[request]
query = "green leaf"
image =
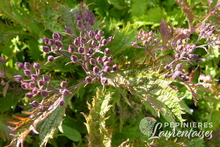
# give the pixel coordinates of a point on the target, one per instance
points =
(4, 130)
(34, 51)
(71, 133)
(152, 88)
(99, 134)
(156, 14)
(196, 143)
(49, 126)
(138, 7)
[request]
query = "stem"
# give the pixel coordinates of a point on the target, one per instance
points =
(76, 85)
(147, 48)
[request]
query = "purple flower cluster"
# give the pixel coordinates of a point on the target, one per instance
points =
(84, 49)
(88, 50)
(36, 83)
(147, 39)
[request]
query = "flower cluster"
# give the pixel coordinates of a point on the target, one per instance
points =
(36, 83)
(207, 31)
(148, 40)
(84, 49)
(88, 50)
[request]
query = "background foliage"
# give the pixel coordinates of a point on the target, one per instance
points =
(110, 116)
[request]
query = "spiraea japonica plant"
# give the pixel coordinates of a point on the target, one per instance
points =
(167, 67)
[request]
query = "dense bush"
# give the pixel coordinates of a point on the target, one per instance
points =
(99, 72)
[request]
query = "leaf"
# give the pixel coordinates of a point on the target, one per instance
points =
(5, 89)
(164, 31)
(71, 133)
(138, 7)
(153, 89)
(187, 10)
(98, 133)
(4, 130)
(28, 124)
(49, 126)
(156, 14)
(196, 143)
(34, 48)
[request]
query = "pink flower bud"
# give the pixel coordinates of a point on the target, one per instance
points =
(107, 69)
(91, 51)
(94, 43)
(45, 40)
(91, 34)
(88, 79)
(46, 78)
(36, 66)
(40, 83)
(105, 58)
(92, 61)
(107, 51)
(68, 30)
(99, 59)
(96, 69)
(98, 37)
(32, 85)
(29, 95)
(20, 65)
(44, 93)
(83, 40)
(27, 65)
(134, 44)
(63, 84)
(91, 22)
(18, 78)
(176, 74)
(106, 63)
(34, 77)
(34, 104)
(81, 50)
(104, 41)
(65, 92)
(78, 16)
(104, 80)
(192, 56)
(76, 42)
(79, 23)
(110, 39)
(58, 43)
(114, 67)
(46, 49)
(35, 91)
(178, 67)
(61, 103)
(70, 49)
(73, 58)
(51, 42)
(27, 73)
(57, 36)
(100, 32)
(50, 58)
(25, 85)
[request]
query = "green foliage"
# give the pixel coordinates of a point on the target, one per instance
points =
(109, 115)
(99, 135)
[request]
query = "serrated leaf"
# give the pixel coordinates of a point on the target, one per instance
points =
(138, 7)
(152, 88)
(34, 48)
(4, 130)
(196, 143)
(95, 121)
(156, 14)
(49, 126)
